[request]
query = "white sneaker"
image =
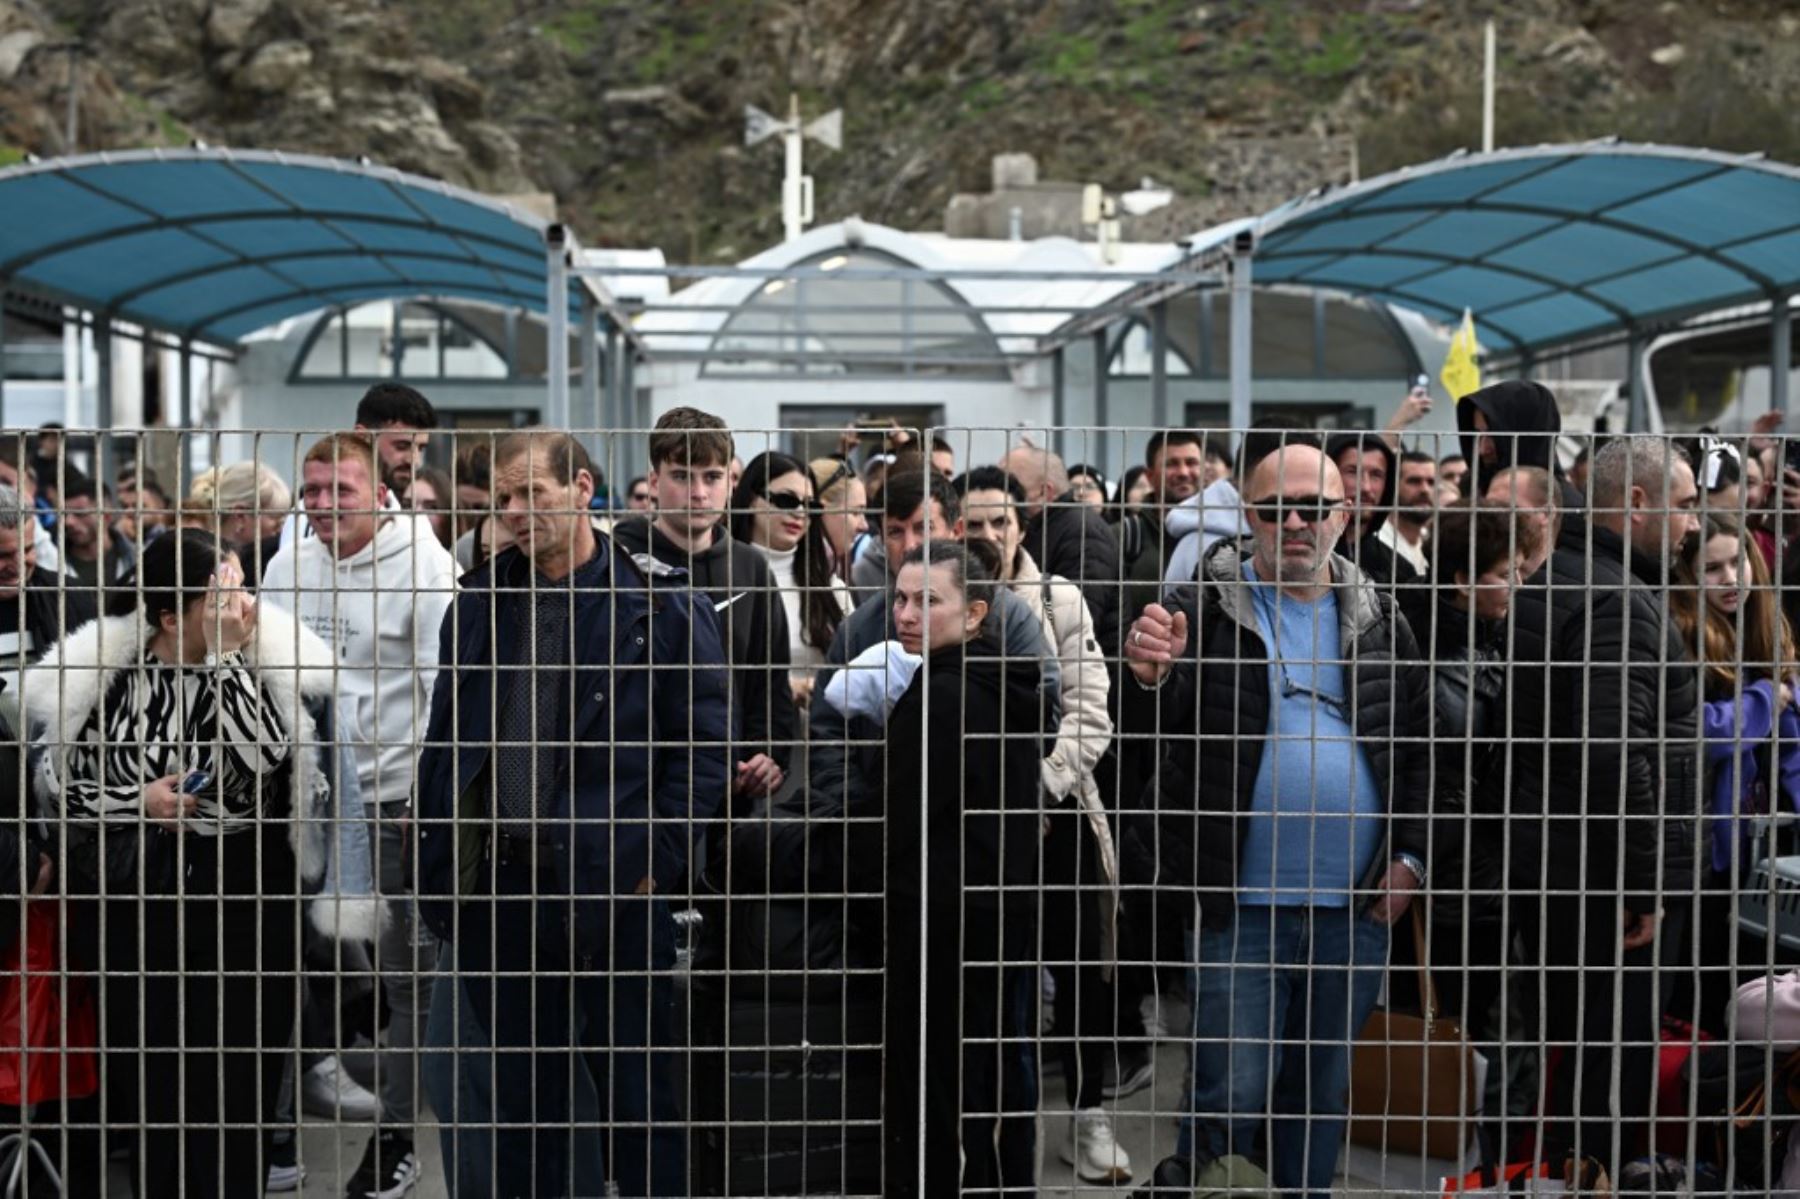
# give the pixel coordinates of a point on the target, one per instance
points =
(283, 1179)
(1090, 1148)
(327, 1090)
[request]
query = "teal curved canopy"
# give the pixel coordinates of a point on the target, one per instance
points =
(211, 244)
(1551, 245)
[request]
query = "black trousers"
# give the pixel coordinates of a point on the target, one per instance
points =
(219, 969)
(1582, 978)
(1083, 1035)
(980, 1087)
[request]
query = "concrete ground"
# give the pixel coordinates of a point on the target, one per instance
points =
(1143, 1123)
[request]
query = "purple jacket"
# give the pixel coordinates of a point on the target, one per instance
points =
(1734, 729)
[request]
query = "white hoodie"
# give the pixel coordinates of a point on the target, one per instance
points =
(381, 610)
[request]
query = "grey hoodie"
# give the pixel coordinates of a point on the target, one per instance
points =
(1201, 521)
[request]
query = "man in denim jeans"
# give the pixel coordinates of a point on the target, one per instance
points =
(1289, 807)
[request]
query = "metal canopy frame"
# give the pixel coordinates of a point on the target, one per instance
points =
(1450, 218)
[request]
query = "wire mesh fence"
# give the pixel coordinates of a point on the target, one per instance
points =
(409, 809)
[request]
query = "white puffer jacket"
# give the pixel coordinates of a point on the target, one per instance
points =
(1086, 730)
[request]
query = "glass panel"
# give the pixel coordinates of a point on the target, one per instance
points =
(324, 358)
(371, 332)
(865, 327)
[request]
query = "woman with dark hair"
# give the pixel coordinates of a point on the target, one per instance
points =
(1133, 490)
(432, 495)
(176, 756)
(1477, 558)
(963, 944)
(1088, 485)
(773, 509)
(1730, 617)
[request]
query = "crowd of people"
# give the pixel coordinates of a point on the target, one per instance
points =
(402, 787)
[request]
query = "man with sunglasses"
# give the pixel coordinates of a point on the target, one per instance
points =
(1289, 810)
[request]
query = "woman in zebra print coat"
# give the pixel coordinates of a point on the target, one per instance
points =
(178, 767)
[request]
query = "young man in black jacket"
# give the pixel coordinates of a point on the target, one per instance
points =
(1604, 795)
(690, 460)
(1290, 806)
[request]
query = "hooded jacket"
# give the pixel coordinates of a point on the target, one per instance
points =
(1376, 558)
(294, 670)
(736, 578)
(1200, 522)
(381, 610)
(1515, 406)
(1213, 712)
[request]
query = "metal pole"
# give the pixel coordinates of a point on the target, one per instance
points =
(636, 418)
(1637, 412)
(590, 368)
(792, 212)
(1101, 416)
(2, 357)
(1241, 250)
(186, 415)
(103, 418)
(1487, 90)
(1059, 399)
(1781, 356)
(556, 319)
(1159, 370)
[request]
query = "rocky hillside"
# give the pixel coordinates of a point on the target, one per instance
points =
(631, 113)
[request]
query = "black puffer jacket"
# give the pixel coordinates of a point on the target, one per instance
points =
(1465, 657)
(1605, 718)
(1214, 723)
(1072, 539)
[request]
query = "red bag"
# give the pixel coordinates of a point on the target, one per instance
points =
(1679, 1039)
(46, 1050)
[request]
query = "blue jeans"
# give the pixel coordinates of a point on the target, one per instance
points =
(456, 1073)
(546, 1030)
(1279, 995)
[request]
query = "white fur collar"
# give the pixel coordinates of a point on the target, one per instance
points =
(290, 661)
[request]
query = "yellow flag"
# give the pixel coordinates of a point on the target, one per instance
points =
(1460, 374)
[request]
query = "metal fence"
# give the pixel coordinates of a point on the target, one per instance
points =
(895, 825)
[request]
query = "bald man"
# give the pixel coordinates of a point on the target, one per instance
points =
(1069, 538)
(1290, 805)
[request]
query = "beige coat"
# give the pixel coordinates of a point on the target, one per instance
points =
(1086, 730)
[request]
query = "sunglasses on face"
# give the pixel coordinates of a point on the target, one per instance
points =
(785, 501)
(639, 496)
(1311, 509)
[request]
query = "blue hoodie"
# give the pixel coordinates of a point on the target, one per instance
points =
(1734, 729)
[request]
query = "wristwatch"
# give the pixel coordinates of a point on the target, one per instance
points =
(1413, 864)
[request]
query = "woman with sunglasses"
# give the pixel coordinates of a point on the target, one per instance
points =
(773, 509)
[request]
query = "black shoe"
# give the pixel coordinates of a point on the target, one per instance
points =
(389, 1168)
(1172, 1178)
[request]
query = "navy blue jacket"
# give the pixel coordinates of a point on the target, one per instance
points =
(649, 761)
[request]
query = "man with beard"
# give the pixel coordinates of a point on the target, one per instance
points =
(1414, 500)
(1175, 468)
(1366, 461)
(1603, 792)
